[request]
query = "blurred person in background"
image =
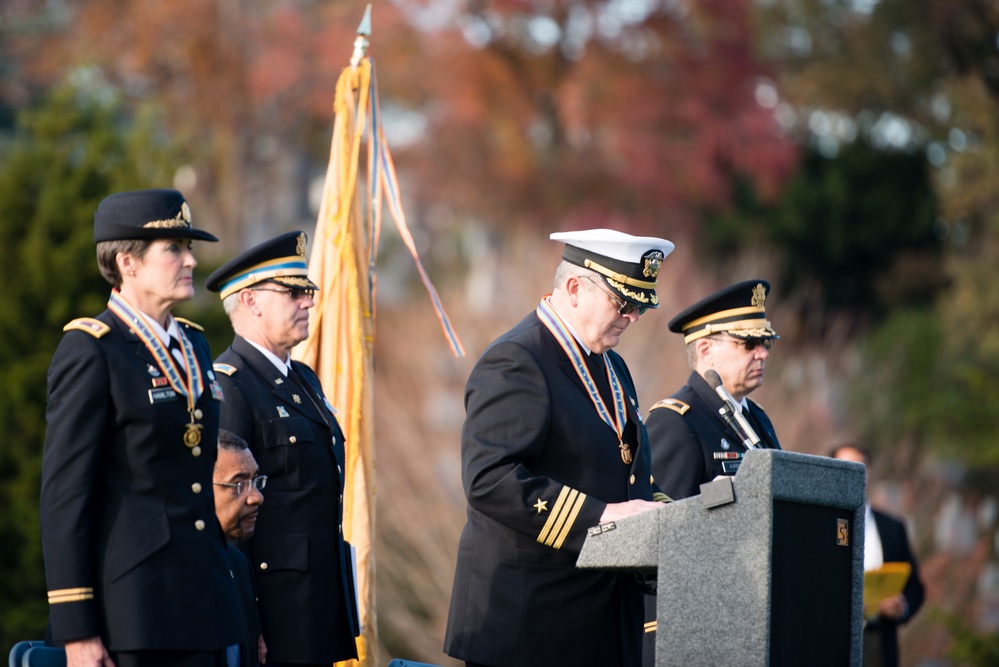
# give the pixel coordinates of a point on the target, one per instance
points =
(885, 541)
(238, 497)
(552, 444)
(300, 560)
(135, 560)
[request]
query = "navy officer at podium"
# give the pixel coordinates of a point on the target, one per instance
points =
(300, 560)
(553, 444)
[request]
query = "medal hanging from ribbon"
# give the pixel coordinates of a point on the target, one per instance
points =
(616, 422)
(191, 386)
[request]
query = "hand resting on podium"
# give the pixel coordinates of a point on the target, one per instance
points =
(617, 511)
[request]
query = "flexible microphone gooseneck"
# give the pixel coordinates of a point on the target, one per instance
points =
(731, 412)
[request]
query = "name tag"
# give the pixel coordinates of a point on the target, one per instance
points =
(161, 395)
(730, 467)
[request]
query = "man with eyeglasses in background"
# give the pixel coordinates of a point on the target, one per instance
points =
(238, 496)
(300, 561)
(728, 333)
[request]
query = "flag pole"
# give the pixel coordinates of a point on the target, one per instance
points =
(361, 41)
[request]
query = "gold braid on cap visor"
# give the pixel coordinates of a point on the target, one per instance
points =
(619, 280)
(712, 325)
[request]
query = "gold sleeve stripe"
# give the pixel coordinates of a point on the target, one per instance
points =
(650, 626)
(562, 517)
(71, 595)
(570, 521)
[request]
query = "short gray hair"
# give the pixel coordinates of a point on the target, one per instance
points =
(566, 270)
(230, 303)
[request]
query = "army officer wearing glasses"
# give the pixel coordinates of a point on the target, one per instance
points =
(727, 332)
(300, 561)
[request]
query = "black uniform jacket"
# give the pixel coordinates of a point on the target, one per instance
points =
(691, 445)
(690, 440)
(133, 550)
(895, 548)
(249, 622)
(301, 563)
(538, 468)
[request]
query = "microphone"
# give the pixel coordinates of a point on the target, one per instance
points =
(731, 412)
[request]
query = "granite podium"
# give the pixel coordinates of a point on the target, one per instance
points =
(765, 568)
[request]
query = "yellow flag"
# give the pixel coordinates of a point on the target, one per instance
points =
(341, 338)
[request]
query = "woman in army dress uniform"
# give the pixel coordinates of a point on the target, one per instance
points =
(135, 560)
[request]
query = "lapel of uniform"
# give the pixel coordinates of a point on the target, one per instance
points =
(313, 396)
(714, 403)
(156, 378)
(761, 425)
(282, 389)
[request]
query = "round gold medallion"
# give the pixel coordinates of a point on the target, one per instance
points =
(192, 436)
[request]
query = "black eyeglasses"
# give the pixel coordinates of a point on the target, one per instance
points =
(295, 293)
(623, 307)
(258, 483)
(749, 343)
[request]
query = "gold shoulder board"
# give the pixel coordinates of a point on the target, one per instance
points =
(95, 328)
(227, 369)
(674, 404)
(189, 323)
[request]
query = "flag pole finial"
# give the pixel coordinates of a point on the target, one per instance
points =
(361, 41)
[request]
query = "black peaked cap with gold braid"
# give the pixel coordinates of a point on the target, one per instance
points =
(159, 213)
(279, 260)
(738, 310)
(628, 264)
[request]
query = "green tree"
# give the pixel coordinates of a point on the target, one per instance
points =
(61, 159)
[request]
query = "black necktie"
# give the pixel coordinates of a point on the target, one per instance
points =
(178, 354)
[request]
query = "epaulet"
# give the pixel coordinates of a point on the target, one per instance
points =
(674, 404)
(226, 369)
(95, 328)
(191, 324)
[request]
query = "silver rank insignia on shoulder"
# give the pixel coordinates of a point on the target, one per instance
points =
(297, 399)
(281, 411)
